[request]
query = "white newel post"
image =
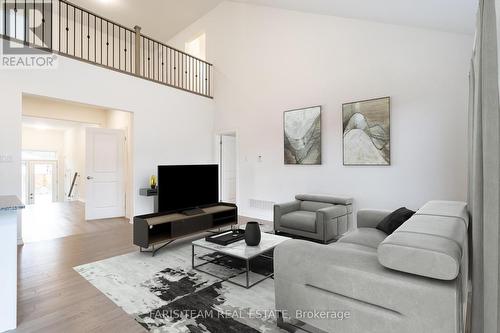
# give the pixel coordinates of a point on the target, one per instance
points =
(9, 208)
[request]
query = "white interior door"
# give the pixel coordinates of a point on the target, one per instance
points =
(228, 168)
(105, 177)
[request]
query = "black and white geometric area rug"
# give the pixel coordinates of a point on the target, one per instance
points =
(164, 294)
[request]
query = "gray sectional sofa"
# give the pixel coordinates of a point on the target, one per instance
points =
(412, 281)
(318, 217)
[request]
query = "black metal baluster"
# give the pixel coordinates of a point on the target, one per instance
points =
(74, 31)
(107, 43)
(197, 76)
(59, 19)
(51, 23)
(81, 33)
(88, 36)
(204, 72)
(67, 29)
(100, 42)
(113, 39)
(34, 22)
(176, 68)
(5, 17)
(210, 80)
(25, 26)
(125, 50)
(131, 52)
(119, 47)
(169, 64)
(15, 19)
(202, 76)
(182, 70)
(43, 22)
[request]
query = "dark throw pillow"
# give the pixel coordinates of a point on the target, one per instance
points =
(394, 220)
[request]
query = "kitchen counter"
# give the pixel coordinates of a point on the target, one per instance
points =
(10, 202)
(10, 207)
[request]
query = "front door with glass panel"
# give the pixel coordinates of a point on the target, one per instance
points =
(39, 182)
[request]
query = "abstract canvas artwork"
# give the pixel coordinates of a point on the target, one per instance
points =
(366, 132)
(302, 132)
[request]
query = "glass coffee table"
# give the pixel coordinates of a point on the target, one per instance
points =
(242, 254)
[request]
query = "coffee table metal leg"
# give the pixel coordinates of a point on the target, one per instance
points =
(248, 285)
(192, 255)
(248, 272)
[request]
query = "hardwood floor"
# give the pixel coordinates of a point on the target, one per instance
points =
(60, 219)
(52, 297)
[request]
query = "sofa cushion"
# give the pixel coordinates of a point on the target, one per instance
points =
(313, 206)
(369, 237)
(300, 220)
(324, 198)
(446, 208)
(394, 220)
(426, 245)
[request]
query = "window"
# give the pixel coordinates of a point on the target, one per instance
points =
(28, 155)
(197, 47)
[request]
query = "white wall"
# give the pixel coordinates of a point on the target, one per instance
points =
(170, 126)
(47, 140)
(270, 60)
(74, 160)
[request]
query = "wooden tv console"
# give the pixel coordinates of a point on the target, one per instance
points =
(152, 229)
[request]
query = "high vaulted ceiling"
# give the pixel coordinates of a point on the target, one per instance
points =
(159, 19)
(447, 15)
(162, 19)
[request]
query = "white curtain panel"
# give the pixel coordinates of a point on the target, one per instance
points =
(484, 172)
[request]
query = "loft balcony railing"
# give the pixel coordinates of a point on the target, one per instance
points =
(63, 28)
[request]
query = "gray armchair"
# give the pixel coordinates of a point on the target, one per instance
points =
(319, 217)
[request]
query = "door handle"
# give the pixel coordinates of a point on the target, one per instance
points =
(89, 177)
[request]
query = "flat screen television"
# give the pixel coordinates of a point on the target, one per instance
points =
(183, 187)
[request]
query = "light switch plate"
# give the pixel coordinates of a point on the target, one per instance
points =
(5, 158)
